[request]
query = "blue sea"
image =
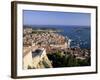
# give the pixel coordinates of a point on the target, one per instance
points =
(80, 35)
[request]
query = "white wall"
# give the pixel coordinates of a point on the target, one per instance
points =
(5, 43)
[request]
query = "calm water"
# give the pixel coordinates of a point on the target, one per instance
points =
(79, 35)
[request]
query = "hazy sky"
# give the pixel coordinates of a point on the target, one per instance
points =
(31, 17)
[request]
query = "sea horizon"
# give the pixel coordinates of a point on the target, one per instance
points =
(88, 26)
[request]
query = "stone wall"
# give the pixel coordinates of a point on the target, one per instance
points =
(27, 60)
